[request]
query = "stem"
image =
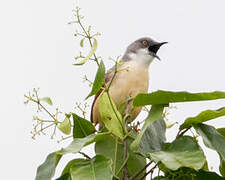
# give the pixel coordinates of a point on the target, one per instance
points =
(110, 100)
(124, 162)
(115, 155)
(54, 132)
(45, 128)
(85, 155)
(125, 171)
(87, 36)
(95, 57)
(139, 172)
(150, 171)
(39, 104)
(182, 133)
(114, 111)
(48, 112)
(158, 173)
(116, 70)
(41, 120)
(64, 138)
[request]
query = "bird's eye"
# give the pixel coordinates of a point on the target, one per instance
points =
(145, 43)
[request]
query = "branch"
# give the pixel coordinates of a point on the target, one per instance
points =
(139, 172)
(150, 171)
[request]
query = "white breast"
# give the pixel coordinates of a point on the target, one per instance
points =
(129, 83)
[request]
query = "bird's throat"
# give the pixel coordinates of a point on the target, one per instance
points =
(141, 58)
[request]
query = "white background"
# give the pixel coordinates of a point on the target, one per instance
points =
(37, 49)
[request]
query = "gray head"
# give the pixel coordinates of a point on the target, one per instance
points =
(143, 49)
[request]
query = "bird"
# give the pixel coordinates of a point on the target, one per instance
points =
(132, 76)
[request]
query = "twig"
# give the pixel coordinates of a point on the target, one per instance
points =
(115, 72)
(139, 172)
(64, 138)
(127, 116)
(40, 125)
(41, 130)
(89, 81)
(179, 134)
(110, 100)
(39, 104)
(123, 164)
(85, 155)
(151, 176)
(87, 34)
(115, 154)
(125, 171)
(150, 171)
(158, 173)
(82, 110)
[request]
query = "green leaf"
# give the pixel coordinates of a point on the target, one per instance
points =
(166, 97)
(205, 167)
(112, 148)
(154, 115)
(66, 170)
(211, 138)
(64, 177)
(160, 178)
(153, 138)
(108, 146)
(183, 152)
(190, 174)
(47, 170)
(91, 53)
(65, 126)
(110, 116)
(47, 100)
(98, 168)
(205, 175)
(215, 140)
(182, 173)
(221, 131)
(222, 167)
(114, 178)
(82, 42)
(82, 127)
(79, 143)
(99, 80)
(202, 117)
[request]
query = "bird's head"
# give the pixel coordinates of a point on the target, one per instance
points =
(143, 50)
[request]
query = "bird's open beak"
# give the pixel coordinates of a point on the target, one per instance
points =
(154, 48)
